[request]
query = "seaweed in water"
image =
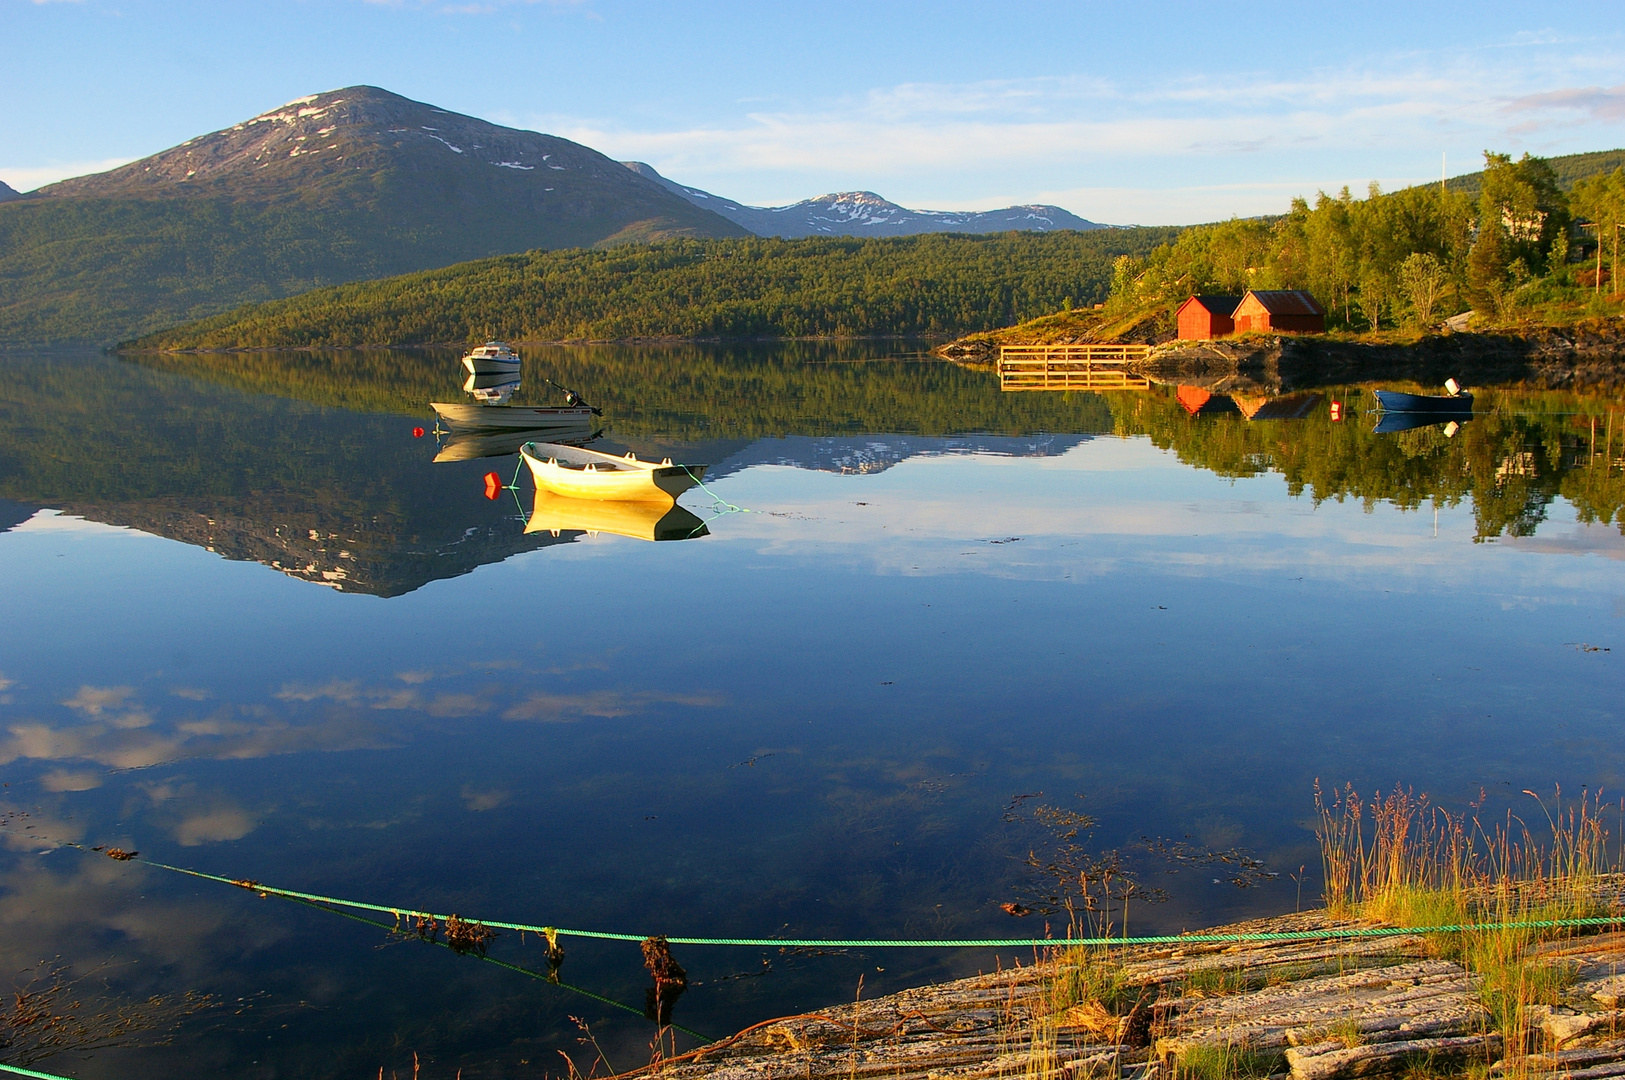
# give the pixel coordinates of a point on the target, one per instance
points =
(555, 954)
(466, 937)
(670, 980)
(51, 1013)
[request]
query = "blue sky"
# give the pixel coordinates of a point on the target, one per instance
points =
(1119, 112)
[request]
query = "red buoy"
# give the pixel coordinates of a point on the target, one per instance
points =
(1337, 410)
(417, 433)
(493, 485)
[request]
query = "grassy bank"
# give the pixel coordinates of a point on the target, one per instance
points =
(1392, 860)
(1478, 1003)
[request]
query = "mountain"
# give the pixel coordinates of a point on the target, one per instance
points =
(340, 499)
(342, 186)
(862, 455)
(863, 213)
(8, 192)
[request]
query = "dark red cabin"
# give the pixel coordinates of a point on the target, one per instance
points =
(1290, 311)
(1205, 317)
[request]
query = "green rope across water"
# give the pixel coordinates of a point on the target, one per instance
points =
(20, 1071)
(906, 943)
(584, 992)
(718, 500)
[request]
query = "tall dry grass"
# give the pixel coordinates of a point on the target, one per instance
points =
(1401, 860)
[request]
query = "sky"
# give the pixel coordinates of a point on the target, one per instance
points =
(1122, 113)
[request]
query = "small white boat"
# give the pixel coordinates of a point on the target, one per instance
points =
(492, 358)
(563, 422)
(590, 474)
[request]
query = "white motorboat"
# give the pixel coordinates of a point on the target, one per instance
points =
(590, 474)
(492, 358)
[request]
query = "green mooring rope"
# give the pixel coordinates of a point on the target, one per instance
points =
(20, 1071)
(551, 980)
(965, 943)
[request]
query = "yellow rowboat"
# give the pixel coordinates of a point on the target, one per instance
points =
(639, 520)
(589, 474)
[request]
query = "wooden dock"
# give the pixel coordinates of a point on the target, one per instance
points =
(1071, 367)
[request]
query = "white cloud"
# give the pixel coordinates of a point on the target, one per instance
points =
(221, 821)
(1597, 102)
(1056, 138)
(29, 177)
(63, 780)
(91, 700)
(602, 704)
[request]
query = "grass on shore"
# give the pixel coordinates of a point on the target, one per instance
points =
(1423, 866)
(1399, 860)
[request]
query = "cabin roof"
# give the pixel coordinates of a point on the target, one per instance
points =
(1285, 301)
(1218, 305)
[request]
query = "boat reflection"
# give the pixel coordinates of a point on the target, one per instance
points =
(556, 514)
(492, 389)
(1390, 423)
(467, 446)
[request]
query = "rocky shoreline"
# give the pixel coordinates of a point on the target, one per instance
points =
(1588, 354)
(1328, 1010)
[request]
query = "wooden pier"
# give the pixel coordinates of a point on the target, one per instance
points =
(1071, 367)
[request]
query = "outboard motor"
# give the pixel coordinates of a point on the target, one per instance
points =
(573, 399)
(1452, 386)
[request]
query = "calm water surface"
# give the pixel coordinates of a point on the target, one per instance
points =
(251, 628)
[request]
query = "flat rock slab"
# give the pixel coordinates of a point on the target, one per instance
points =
(1421, 999)
(1329, 1010)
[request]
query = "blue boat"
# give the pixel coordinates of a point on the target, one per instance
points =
(1456, 403)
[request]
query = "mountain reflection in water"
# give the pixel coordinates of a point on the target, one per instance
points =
(343, 499)
(837, 716)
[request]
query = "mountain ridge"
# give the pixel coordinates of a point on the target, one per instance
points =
(864, 213)
(342, 186)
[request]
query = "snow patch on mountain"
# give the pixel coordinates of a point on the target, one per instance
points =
(864, 213)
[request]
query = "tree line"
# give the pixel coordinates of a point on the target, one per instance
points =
(1512, 462)
(747, 287)
(1410, 257)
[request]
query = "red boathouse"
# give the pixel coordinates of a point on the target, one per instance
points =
(1291, 311)
(1205, 317)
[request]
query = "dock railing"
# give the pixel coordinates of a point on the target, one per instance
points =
(1071, 367)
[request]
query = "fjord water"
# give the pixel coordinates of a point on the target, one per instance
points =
(251, 628)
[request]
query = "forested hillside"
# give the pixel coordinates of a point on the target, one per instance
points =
(754, 287)
(1522, 247)
(1568, 170)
